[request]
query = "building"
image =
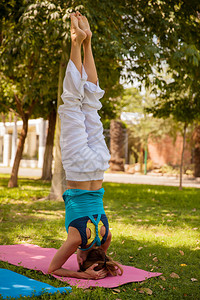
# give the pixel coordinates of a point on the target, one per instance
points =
(34, 147)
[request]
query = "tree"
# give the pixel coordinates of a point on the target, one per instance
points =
(28, 66)
(109, 64)
(48, 154)
(196, 138)
(45, 23)
(167, 33)
(116, 145)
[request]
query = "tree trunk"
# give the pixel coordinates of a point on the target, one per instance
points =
(116, 146)
(48, 155)
(14, 141)
(58, 183)
(13, 178)
(196, 138)
(182, 157)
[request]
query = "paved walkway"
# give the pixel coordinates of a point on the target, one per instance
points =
(153, 179)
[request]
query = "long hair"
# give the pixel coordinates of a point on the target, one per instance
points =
(98, 256)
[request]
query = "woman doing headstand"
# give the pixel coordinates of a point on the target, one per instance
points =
(85, 158)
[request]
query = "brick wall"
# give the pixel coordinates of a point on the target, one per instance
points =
(167, 151)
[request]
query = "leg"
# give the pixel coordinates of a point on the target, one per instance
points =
(80, 162)
(77, 37)
(88, 61)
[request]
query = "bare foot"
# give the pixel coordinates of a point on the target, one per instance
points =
(84, 25)
(77, 34)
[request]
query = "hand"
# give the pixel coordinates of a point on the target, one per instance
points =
(90, 273)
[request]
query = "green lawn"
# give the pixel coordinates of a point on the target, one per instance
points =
(155, 228)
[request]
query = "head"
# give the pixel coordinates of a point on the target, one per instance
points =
(98, 256)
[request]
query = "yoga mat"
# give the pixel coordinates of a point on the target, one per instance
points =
(37, 258)
(15, 285)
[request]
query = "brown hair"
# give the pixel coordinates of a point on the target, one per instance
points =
(98, 256)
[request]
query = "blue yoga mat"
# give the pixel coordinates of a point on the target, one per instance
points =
(16, 285)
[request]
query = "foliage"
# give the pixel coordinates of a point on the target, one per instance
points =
(146, 35)
(178, 54)
(150, 224)
(34, 44)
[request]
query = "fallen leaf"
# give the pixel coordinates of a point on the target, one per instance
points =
(194, 209)
(174, 288)
(122, 242)
(162, 287)
(130, 256)
(195, 228)
(155, 259)
(183, 265)
(150, 254)
(174, 275)
(117, 290)
(163, 278)
(139, 220)
(135, 290)
(181, 252)
(141, 291)
(140, 248)
(194, 279)
(148, 291)
(110, 253)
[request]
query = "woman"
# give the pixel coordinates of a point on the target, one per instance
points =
(85, 158)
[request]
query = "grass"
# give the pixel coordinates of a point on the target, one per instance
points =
(150, 225)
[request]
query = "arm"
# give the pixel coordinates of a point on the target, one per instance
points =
(105, 246)
(62, 255)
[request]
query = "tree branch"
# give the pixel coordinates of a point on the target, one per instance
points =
(19, 107)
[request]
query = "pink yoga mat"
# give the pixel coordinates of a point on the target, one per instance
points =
(37, 258)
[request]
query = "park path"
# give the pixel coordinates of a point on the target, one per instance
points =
(152, 179)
